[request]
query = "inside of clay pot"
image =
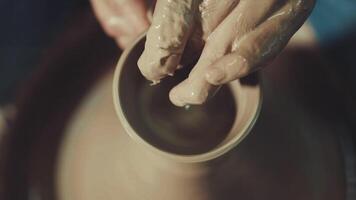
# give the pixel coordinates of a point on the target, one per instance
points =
(173, 129)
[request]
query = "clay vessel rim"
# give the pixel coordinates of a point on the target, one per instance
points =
(195, 158)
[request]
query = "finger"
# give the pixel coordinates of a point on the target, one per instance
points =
(121, 17)
(213, 12)
(234, 27)
(113, 24)
(260, 46)
(135, 11)
(240, 21)
(190, 92)
(172, 24)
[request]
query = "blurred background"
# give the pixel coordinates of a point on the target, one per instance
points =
(29, 28)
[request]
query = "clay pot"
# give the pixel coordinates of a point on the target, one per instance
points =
(292, 151)
(181, 160)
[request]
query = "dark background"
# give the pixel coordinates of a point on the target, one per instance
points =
(28, 28)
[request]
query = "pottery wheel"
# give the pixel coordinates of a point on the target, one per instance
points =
(75, 148)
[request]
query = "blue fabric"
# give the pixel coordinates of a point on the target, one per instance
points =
(333, 19)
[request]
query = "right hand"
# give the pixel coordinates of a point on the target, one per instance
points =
(239, 37)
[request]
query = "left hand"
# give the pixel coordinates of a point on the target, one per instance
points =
(123, 20)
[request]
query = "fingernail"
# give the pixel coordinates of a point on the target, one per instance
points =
(190, 93)
(175, 99)
(215, 76)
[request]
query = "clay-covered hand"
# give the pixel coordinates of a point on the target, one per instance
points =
(123, 20)
(240, 36)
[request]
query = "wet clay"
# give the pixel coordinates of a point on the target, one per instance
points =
(179, 130)
(238, 37)
(169, 128)
(196, 133)
(167, 42)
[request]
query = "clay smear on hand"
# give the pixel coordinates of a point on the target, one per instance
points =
(239, 36)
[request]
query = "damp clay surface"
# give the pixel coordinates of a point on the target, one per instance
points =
(179, 130)
(234, 38)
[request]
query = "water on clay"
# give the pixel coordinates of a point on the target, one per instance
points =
(180, 130)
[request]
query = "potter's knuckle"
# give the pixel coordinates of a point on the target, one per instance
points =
(245, 70)
(250, 48)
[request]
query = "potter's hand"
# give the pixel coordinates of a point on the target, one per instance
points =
(123, 20)
(240, 36)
